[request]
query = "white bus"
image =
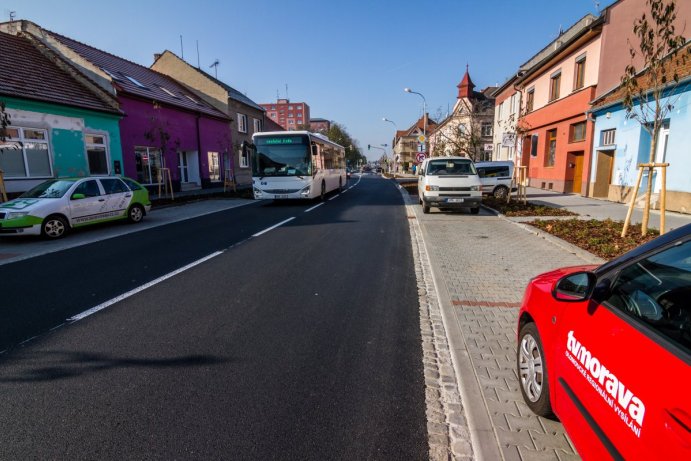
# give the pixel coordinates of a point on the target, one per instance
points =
(296, 165)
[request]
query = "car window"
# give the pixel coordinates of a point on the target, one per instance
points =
(450, 167)
(88, 188)
(113, 186)
(132, 185)
(657, 291)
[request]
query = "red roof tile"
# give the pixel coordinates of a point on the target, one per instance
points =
(139, 80)
(26, 73)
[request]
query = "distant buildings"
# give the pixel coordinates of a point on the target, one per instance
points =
(289, 115)
(319, 125)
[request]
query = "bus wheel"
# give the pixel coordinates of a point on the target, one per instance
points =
(340, 185)
(322, 196)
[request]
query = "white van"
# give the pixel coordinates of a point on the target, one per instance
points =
(496, 178)
(449, 182)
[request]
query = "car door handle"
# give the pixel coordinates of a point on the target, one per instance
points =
(678, 422)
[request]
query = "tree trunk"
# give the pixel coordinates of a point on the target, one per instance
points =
(649, 186)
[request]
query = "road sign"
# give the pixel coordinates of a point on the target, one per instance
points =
(420, 157)
(422, 138)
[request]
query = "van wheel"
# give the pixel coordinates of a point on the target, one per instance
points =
(54, 227)
(500, 192)
(475, 210)
(532, 371)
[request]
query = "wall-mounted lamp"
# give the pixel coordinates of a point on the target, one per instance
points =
(608, 115)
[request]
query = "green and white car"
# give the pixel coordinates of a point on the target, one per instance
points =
(55, 206)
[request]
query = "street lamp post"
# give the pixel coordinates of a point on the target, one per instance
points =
(393, 153)
(424, 110)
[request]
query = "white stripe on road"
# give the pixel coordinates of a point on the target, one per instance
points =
(335, 196)
(315, 206)
(123, 296)
(273, 227)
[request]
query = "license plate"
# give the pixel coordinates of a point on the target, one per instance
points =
(281, 196)
(454, 200)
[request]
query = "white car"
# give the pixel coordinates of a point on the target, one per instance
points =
(53, 207)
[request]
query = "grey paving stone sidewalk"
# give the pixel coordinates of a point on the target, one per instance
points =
(481, 265)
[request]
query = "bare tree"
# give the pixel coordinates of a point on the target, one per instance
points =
(4, 121)
(462, 132)
(658, 46)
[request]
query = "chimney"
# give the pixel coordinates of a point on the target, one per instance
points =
(156, 56)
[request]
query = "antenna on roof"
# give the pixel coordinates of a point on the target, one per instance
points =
(215, 66)
(182, 51)
(597, 6)
(198, 65)
(12, 28)
(287, 91)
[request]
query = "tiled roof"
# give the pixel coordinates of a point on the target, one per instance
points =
(26, 73)
(139, 80)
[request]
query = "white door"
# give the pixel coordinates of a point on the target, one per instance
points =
(188, 162)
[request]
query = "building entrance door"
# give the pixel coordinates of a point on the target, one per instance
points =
(577, 172)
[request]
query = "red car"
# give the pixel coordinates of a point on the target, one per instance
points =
(608, 351)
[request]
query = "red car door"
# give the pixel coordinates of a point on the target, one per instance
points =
(622, 371)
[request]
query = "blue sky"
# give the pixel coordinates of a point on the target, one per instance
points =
(348, 60)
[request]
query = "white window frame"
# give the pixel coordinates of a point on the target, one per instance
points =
(20, 143)
(244, 158)
(257, 125)
(97, 145)
(242, 123)
(214, 165)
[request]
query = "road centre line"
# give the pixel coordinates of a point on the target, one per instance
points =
(315, 206)
(133, 292)
(272, 227)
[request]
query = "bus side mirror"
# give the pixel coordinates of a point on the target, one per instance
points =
(315, 149)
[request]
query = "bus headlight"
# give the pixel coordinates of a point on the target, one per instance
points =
(305, 192)
(257, 193)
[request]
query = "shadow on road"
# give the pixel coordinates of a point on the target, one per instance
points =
(50, 366)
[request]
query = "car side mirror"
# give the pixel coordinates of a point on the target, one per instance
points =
(78, 196)
(575, 287)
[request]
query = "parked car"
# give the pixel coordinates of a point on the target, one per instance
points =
(496, 177)
(449, 182)
(57, 205)
(608, 350)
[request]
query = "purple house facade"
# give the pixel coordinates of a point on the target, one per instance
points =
(167, 131)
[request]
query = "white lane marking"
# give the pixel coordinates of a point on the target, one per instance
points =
(335, 196)
(315, 206)
(133, 292)
(273, 227)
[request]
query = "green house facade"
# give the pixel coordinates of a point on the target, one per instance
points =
(59, 125)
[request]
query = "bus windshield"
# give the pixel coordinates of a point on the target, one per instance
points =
(282, 156)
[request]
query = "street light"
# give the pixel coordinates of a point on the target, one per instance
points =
(390, 121)
(424, 109)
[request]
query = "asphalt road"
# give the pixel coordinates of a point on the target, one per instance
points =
(302, 342)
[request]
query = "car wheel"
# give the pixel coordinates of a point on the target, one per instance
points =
(135, 214)
(475, 210)
(54, 227)
(532, 371)
(425, 208)
(500, 192)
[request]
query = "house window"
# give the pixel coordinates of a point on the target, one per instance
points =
(486, 129)
(135, 81)
(551, 147)
(499, 110)
(242, 123)
(607, 137)
(25, 153)
(577, 132)
(579, 75)
(244, 158)
(97, 154)
(273, 115)
(554, 84)
(512, 107)
(530, 100)
(148, 163)
(291, 122)
(169, 92)
(192, 99)
(533, 145)
(214, 167)
(257, 125)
